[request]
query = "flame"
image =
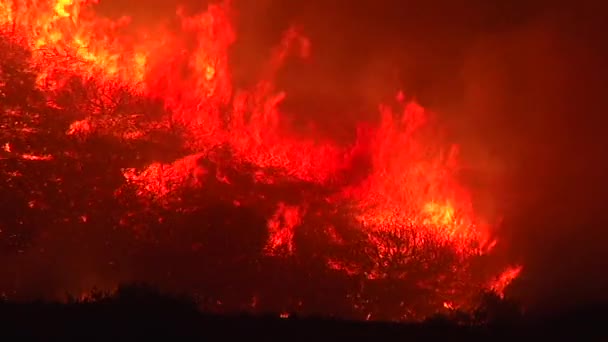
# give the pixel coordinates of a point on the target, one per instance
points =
(501, 282)
(60, 8)
(411, 184)
(281, 228)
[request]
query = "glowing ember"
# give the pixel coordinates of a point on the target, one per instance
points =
(407, 219)
(448, 305)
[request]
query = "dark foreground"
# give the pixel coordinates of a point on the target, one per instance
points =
(134, 313)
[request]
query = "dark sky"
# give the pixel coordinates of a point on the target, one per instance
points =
(521, 84)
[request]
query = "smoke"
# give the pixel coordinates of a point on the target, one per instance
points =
(533, 99)
(521, 87)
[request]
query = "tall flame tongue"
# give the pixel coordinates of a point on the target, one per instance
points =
(407, 208)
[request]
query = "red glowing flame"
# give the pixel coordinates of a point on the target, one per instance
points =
(409, 192)
(499, 284)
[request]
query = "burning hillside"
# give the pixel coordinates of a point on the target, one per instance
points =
(128, 155)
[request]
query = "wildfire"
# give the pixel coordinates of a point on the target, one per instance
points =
(409, 193)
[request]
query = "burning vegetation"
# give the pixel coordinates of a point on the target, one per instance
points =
(128, 155)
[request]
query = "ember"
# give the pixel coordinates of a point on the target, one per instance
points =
(158, 161)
